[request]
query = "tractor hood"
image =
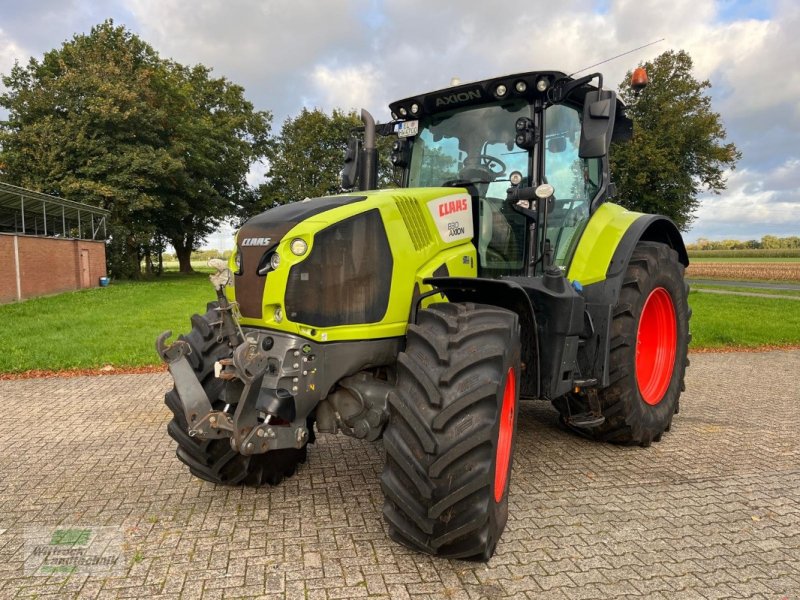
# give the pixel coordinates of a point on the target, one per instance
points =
(259, 236)
(276, 222)
(347, 267)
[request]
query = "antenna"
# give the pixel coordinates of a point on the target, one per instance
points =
(602, 62)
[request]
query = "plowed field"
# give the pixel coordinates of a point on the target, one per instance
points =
(788, 271)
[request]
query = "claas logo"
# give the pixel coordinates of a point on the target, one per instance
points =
(256, 241)
(452, 206)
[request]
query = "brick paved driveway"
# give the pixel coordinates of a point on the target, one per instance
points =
(712, 511)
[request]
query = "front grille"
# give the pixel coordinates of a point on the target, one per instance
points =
(415, 222)
(346, 278)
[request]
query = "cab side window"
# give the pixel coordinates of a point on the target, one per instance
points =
(575, 180)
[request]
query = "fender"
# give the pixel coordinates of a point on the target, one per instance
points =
(599, 265)
(504, 294)
(610, 245)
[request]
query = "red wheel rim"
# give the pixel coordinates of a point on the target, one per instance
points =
(656, 344)
(504, 435)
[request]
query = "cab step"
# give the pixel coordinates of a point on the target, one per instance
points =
(585, 420)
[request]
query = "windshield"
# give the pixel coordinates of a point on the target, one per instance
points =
(477, 147)
(473, 146)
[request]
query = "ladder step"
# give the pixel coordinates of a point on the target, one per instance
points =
(585, 421)
(585, 383)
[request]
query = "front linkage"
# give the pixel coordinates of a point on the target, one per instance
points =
(249, 426)
(274, 382)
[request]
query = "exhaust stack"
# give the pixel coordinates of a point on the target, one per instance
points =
(368, 179)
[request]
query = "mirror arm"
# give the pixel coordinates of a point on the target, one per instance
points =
(559, 93)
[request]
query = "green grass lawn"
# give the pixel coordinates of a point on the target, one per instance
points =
(742, 321)
(118, 325)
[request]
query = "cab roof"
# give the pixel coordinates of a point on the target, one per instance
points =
(507, 87)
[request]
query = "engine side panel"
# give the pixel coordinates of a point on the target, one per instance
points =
(365, 261)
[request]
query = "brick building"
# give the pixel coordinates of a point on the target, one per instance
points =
(48, 244)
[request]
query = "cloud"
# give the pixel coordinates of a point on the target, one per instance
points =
(348, 87)
(10, 52)
(476, 41)
(751, 65)
(269, 47)
(365, 53)
(39, 26)
(755, 203)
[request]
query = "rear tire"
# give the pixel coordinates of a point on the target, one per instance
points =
(649, 345)
(214, 460)
(450, 437)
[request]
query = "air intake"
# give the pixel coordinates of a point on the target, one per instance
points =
(415, 222)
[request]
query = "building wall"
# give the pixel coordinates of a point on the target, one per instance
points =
(47, 265)
(8, 273)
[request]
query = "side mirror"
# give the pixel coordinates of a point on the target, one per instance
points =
(351, 164)
(599, 111)
(556, 145)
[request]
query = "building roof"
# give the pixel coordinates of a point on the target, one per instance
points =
(27, 212)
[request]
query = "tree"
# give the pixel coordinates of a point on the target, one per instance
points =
(104, 120)
(678, 148)
(216, 135)
(307, 157)
(85, 123)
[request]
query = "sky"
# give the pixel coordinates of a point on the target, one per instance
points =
(288, 54)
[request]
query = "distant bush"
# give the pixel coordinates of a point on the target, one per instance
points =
(768, 242)
(207, 254)
(752, 253)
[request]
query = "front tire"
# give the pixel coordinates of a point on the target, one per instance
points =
(649, 345)
(214, 460)
(450, 437)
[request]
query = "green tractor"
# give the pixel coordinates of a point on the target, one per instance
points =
(421, 315)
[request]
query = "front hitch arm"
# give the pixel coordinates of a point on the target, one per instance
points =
(201, 419)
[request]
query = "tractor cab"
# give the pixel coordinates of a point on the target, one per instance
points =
(502, 138)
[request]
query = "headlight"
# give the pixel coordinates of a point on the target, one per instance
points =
(275, 261)
(278, 315)
(298, 247)
(542, 84)
(237, 261)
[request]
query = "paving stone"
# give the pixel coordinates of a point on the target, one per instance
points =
(713, 511)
